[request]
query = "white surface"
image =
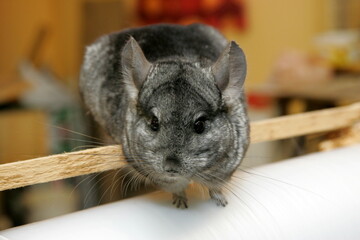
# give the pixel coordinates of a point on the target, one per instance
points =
(313, 197)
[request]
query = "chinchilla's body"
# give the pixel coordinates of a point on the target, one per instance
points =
(173, 97)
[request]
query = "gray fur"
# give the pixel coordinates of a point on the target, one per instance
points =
(177, 74)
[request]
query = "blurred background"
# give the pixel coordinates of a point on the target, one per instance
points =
(302, 55)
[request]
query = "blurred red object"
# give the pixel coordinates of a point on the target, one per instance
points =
(213, 12)
(258, 100)
(189, 7)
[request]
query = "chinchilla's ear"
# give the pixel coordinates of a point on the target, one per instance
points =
(230, 71)
(135, 66)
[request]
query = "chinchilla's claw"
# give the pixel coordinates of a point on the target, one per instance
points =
(218, 197)
(180, 201)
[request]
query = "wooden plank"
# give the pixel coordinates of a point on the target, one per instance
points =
(304, 123)
(61, 166)
(341, 138)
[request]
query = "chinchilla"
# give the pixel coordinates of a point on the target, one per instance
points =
(173, 97)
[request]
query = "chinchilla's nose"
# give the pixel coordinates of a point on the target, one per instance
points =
(172, 164)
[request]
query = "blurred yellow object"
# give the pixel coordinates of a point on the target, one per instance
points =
(340, 48)
(23, 135)
(12, 90)
(339, 57)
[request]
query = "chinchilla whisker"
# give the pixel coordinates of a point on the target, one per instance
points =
(281, 181)
(256, 157)
(269, 178)
(95, 184)
(200, 179)
(128, 160)
(135, 179)
(129, 183)
(138, 180)
(75, 132)
(146, 172)
(99, 154)
(134, 182)
(83, 147)
(148, 182)
(114, 180)
(79, 183)
(150, 174)
(92, 176)
(243, 189)
(115, 184)
(229, 185)
(252, 212)
(145, 180)
(252, 182)
(86, 141)
(224, 185)
(111, 186)
(123, 187)
(101, 186)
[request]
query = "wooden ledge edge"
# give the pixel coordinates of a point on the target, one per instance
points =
(61, 166)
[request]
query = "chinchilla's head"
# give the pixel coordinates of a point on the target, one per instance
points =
(186, 119)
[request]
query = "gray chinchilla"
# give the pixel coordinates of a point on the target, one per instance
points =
(173, 97)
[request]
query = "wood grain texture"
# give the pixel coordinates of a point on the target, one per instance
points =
(341, 138)
(61, 166)
(304, 123)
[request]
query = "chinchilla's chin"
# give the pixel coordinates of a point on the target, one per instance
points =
(174, 178)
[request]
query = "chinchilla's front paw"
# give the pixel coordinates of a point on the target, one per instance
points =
(180, 200)
(218, 197)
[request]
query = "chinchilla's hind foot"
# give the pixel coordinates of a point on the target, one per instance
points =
(218, 197)
(180, 200)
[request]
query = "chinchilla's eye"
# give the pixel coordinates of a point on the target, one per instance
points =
(199, 125)
(154, 124)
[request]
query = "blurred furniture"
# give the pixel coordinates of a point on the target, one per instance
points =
(23, 135)
(304, 97)
(344, 88)
(11, 90)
